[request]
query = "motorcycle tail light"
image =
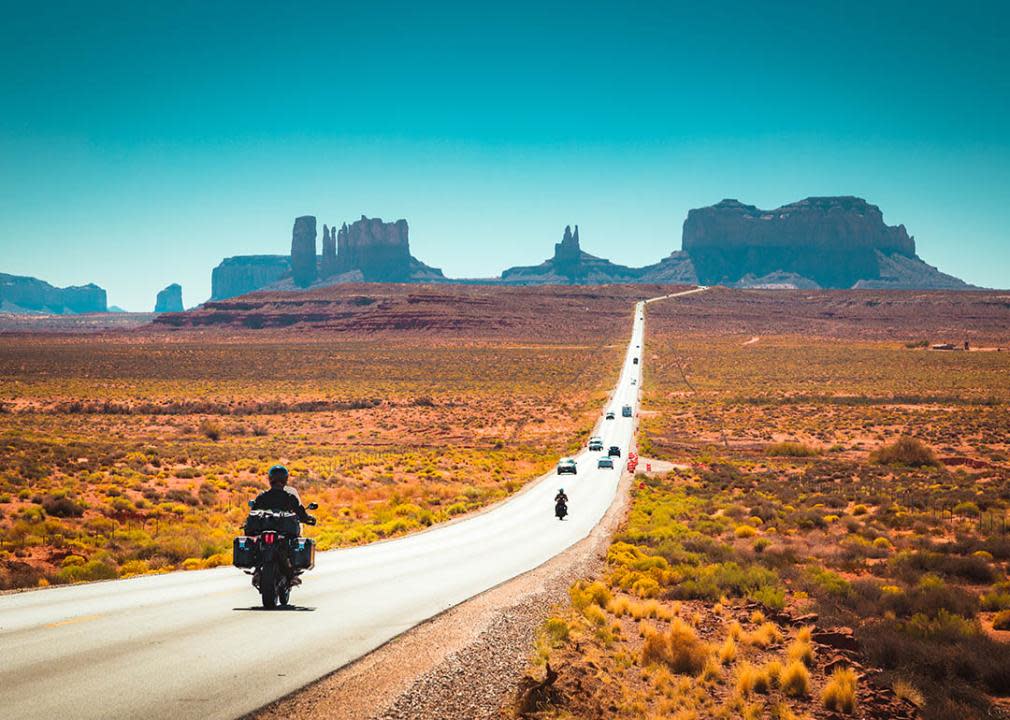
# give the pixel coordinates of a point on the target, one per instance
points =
(268, 538)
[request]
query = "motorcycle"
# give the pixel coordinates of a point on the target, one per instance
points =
(273, 553)
(561, 509)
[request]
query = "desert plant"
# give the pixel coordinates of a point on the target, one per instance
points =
(905, 452)
(840, 692)
(679, 648)
(795, 679)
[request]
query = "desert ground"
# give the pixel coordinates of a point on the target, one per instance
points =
(833, 540)
(135, 452)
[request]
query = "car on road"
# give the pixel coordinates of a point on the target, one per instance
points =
(610, 416)
(634, 381)
(614, 451)
(596, 444)
(605, 462)
(635, 361)
(567, 465)
(626, 411)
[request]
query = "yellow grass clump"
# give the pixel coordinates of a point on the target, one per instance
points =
(795, 679)
(840, 692)
(679, 648)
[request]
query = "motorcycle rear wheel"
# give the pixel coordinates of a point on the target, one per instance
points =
(268, 586)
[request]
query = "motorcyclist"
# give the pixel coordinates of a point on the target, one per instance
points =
(561, 497)
(282, 496)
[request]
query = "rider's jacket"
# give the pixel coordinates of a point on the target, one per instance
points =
(285, 499)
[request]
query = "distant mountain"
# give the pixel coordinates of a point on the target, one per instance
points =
(20, 294)
(367, 250)
(826, 242)
(820, 242)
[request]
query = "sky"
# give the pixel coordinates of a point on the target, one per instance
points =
(141, 143)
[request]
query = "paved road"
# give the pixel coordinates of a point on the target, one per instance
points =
(195, 645)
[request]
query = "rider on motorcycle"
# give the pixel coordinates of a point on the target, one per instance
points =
(282, 497)
(561, 497)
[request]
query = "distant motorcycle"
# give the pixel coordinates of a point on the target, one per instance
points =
(273, 553)
(561, 509)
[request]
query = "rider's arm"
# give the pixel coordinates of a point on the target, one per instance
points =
(298, 508)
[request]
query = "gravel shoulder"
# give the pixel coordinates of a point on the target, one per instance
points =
(464, 664)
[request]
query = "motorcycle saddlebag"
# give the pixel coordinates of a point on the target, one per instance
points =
(284, 523)
(243, 552)
(303, 553)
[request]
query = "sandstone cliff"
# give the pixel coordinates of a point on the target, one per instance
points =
(246, 273)
(169, 299)
(304, 262)
(381, 252)
(20, 294)
(828, 242)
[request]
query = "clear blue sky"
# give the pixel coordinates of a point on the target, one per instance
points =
(141, 142)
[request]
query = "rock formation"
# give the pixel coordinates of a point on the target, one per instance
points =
(169, 299)
(247, 273)
(571, 266)
(328, 261)
(303, 251)
(20, 294)
(828, 242)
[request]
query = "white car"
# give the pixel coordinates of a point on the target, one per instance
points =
(567, 465)
(596, 443)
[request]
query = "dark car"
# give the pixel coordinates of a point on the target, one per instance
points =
(614, 451)
(635, 361)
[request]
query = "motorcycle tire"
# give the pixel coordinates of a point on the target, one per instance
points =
(268, 586)
(283, 593)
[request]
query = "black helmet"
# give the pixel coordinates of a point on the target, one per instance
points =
(278, 475)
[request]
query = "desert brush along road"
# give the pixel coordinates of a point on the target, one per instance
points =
(197, 645)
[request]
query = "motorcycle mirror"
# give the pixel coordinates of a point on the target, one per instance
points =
(251, 504)
(313, 506)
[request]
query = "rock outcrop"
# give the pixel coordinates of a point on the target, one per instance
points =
(304, 263)
(19, 294)
(380, 251)
(246, 273)
(571, 266)
(328, 261)
(827, 242)
(169, 299)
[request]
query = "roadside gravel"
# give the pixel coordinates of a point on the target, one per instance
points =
(464, 664)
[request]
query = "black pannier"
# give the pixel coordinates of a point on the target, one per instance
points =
(303, 553)
(243, 552)
(285, 523)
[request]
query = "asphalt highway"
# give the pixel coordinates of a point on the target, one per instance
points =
(197, 645)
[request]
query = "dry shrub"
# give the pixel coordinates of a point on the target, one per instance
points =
(906, 452)
(211, 429)
(840, 692)
(1001, 621)
(751, 679)
(767, 634)
(679, 648)
(791, 449)
(802, 649)
(795, 679)
(905, 690)
(727, 653)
